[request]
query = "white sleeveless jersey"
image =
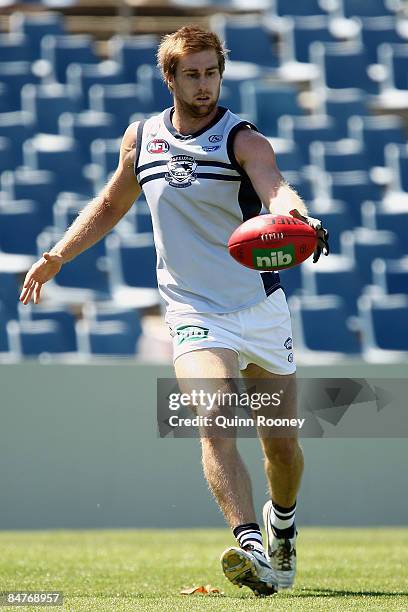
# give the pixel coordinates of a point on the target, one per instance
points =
(198, 195)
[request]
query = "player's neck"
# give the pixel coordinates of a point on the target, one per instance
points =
(186, 124)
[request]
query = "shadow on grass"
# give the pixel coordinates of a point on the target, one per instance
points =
(308, 592)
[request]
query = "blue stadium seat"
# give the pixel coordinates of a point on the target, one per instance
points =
(343, 65)
(288, 156)
(105, 157)
(362, 8)
(6, 104)
(396, 159)
(305, 130)
(291, 281)
(80, 77)
(303, 8)
(35, 26)
(46, 103)
(60, 51)
(131, 52)
(15, 48)
(320, 325)
(119, 100)
(9, 293)
(17, 127)
(335, 275)
(105, 338)
(4, 345)
(34, 338)
(302, 32)
(157, 92)
(391, 275)
(365, 245)
(235, 74)
(58, 154)
(7, 158)
(248, 40)
(20, 223)
(109, 311)
(26, 184)
(375, 132)
(87, 126)
(382, 216)
(132, 269)
(379, 30)
(52, 312)
(344, 155)
(264, 104)
(342, 104)
(384, 327)
(14, 75)
(395, 59)
(354, 188)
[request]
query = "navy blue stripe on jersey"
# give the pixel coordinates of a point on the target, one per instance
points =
(152, 177)
(248, 200)
(271, 282)
(203, 175)
(217, 177)
(139, 135)
(164, 162)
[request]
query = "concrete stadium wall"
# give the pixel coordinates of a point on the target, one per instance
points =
(79, 449)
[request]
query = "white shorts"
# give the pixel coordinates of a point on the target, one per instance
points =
(261, 334)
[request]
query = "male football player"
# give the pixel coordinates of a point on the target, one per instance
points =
(204, 171)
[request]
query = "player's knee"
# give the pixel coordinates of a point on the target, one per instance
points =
(283, 451)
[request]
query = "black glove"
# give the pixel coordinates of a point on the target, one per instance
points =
(322, 234)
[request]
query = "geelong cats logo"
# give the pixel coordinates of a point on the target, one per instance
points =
(181, 171)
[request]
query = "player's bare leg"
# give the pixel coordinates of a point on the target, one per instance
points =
(226, 473)
(284, 468)
(224, 469)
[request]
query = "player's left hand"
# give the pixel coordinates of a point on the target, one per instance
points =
(322, 234)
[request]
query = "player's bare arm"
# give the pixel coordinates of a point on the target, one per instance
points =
(256, 156)
(93, 222)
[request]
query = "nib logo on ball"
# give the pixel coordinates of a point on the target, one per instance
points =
(273, 258)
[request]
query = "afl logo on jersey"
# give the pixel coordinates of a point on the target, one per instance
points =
(158, 146)
(181, 171)
(215, 137)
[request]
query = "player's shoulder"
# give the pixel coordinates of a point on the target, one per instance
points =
(248, 139)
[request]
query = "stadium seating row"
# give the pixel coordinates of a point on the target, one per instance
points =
(320, 325)
(61, 107)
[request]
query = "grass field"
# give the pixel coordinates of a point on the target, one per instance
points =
(126, 570)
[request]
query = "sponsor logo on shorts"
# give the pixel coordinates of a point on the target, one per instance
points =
(288, 344)
(290, 357)
(181, 171)
(190, 333)
(269, 258)
(158, 146)
(210, 149)
(215, 137)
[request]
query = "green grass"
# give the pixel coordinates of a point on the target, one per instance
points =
(126, 570)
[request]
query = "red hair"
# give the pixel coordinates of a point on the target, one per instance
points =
(189, 39)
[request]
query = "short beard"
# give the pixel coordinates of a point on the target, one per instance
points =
(196, 111)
